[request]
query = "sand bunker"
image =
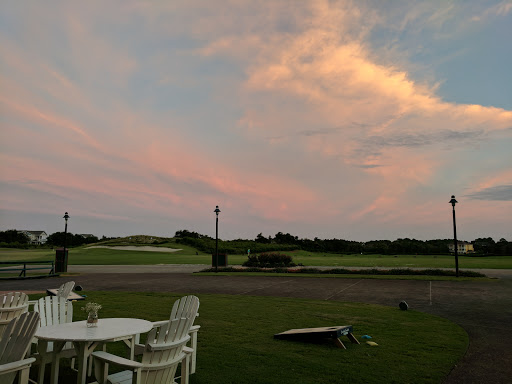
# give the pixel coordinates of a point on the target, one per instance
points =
(146, 248)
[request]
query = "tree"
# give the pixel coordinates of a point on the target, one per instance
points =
(262, 239)
(485, 245)
(13, 236)
(57, 239)
(190, 234)
(285, 238)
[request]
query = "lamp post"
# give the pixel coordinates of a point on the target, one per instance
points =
(66, 217)
(453, 202)
(217, 211)
(61, 257)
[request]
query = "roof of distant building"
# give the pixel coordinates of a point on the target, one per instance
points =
(35, 233)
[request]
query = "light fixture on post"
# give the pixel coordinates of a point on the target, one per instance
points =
(455, 245)
(66, 217)
(217, 211)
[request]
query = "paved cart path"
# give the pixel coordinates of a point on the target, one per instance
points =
(483, 309)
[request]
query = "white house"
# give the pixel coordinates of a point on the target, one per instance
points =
(36, 237)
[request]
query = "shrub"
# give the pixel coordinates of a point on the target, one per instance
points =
(269, 260)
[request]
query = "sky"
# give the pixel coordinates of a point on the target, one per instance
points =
(342, 119)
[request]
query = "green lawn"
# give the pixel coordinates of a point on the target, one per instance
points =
(189, 255)
(236, 343)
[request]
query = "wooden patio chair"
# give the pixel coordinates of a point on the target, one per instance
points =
(65, 289)
(52, 310)
(12, 305)
(182, 309)
(161, 354)
(14, 344)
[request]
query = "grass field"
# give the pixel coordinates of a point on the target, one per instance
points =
(236, 344)
(104, 256)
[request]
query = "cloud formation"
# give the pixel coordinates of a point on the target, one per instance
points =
(313, 118)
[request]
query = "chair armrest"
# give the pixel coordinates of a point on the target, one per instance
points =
(159, 323)
(158, 347)
(16, 365)
(110, 358)
(12, 309)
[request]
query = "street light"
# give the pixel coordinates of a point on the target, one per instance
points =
(217, 211)
(66, 217)
(453, 202)
(61, 257)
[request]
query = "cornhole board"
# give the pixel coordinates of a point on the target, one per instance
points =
(319, 334)
(72, 295)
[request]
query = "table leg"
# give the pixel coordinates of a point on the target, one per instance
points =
(104, 348)
(83, 350)
(132, 346)
(57, 348)
(42, 349)
(80, 348)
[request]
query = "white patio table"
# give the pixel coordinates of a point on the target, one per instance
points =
(85, 340)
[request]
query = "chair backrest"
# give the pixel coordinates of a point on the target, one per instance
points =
(65, 289)
(16, 340)
(164, 349)
(54, 310)
(12, 305)
(184, 312)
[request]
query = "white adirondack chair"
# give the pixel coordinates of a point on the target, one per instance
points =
(161, 354)
(65, 289)
(14, 345)
(12, 305)
(53, 310)
(182, 308)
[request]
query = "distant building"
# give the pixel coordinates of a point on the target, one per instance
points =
(36, 237)
(462, 247)
(86, 235)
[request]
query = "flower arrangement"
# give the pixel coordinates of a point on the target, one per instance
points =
(91, 307)
(92, 313)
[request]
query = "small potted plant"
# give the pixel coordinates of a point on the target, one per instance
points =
(92, 314)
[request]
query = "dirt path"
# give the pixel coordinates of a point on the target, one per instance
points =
(483, 309)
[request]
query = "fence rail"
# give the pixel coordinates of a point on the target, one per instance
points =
(15, 266)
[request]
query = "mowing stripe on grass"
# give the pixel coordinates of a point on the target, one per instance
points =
(341, 290)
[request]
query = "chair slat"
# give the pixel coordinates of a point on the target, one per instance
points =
(12, 305)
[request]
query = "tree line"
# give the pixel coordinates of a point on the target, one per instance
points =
(287, 242)
(16, 239)
(281, 242)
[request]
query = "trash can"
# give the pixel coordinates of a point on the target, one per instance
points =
(61, 260)
(222, 260)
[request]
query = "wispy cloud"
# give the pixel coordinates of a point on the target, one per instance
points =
(500, 9)
(497, 193)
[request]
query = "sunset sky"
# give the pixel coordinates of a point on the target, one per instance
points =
(348, 119)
